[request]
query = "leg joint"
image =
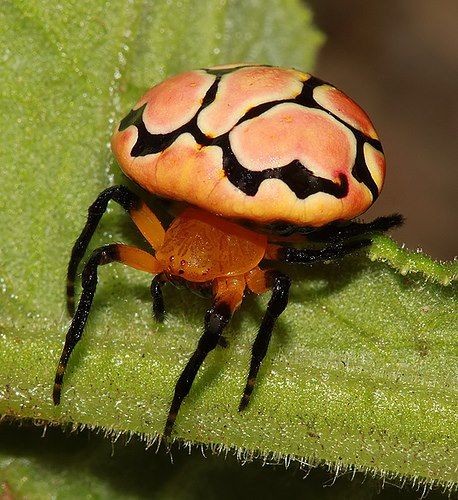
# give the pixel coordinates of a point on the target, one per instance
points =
(218, 317)
(120, 194)
(99, 257)
(280, 291)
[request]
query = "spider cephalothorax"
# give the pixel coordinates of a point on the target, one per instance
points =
(259, 157)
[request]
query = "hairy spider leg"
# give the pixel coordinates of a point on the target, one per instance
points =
(259, 281)
(142, 216)
(130, 256)
(156, 293)
(341, 238)
(293, 255)
(333, 232)
(227, 297)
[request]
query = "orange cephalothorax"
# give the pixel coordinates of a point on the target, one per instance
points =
(199, 246)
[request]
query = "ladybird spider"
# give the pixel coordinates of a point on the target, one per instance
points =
(299, 165)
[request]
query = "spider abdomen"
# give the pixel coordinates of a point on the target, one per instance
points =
(254, 142)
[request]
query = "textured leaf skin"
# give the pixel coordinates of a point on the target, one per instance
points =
(83, 465)
(359, 373)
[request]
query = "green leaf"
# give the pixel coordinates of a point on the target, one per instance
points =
(358, 373)
(84, 465)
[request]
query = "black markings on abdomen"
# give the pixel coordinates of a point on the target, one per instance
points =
(148, 143)
(296, 176)
(360, 171)
(302, 181)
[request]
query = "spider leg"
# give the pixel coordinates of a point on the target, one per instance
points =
(228, 295)
(141, 214)
(293, 255)
(340, 238)
(356, 229)
(156, 293)
(260, 281)
(133, 257)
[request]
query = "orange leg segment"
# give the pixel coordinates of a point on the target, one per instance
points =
(133, 257)
(136, 258)
(229, 290)
(148, 224)
(257, 280)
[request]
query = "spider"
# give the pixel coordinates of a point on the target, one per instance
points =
(261, 159)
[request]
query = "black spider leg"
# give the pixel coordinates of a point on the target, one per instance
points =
(335, 250)
(339, 230)
(280, 284)
(345, 231)
(156, 293)
(99, 257)
(216, 319)
(120, 194)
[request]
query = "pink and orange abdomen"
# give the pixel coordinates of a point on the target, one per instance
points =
(259, 143)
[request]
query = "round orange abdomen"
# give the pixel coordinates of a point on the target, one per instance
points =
(258, 143)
